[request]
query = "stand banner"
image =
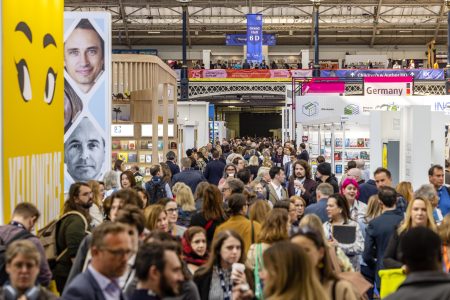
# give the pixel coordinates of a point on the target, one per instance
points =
(254, 38)
(32, 106)
(247, 73)
(418, 74)
(87, 101)
(388, 86)
(314, 109)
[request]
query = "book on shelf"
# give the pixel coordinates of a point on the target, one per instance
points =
(360, 142)
(353, 143)
(124, 145)
(160, 145)
(161, 156)
(364, 155)
(367, 143)
(351, 155)
(123, 156)
(144, 144)
(327, 142)
(142, 158)
(132, 157)
(338, 142)
(338, 169)
(173, 145)
(132, 145)
(142, 170)
(338, 155)
(147, 171)
(115, 145)
(148, 158)
(114, 156)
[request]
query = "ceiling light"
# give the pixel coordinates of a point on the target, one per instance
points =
(184, 1)
(154, 32)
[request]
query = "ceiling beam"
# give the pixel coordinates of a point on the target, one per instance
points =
(375, 22)
(125, 22)
(438, 21)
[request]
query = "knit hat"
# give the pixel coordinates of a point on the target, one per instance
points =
(324, 168)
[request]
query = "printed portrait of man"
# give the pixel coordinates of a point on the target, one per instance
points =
(84, 152)
(84, 52)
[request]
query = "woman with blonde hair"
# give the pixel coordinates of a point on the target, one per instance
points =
(312, 242)
(313, 221)
(186, 205)
(444, 234)
(373, 209)
(299, 204)
(405, 189)
(95, 210)
(156, 218)
(287, 274)
(418, 213)
(259, 211)
(273, 229)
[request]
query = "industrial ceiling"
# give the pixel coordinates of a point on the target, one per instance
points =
(349, 22)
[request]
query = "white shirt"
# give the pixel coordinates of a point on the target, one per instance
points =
(358, 211)
(278, 190)
(109, 288)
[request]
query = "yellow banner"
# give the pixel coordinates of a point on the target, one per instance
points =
(33, 120)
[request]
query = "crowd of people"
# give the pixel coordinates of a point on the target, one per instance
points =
(238, 219)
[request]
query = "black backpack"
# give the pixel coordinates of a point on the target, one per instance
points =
(22, 235)
(155, 190)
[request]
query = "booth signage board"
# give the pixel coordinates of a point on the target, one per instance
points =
(241, 40)
(123, 130)
(87, 101)
(388, 86)
(32, 135)
(254, 37)
(314, 109)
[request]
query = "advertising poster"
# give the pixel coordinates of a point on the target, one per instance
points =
(87, 96)
(32, 135)
(254, 38)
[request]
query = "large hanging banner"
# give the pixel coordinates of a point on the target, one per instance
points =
(254, 38)
(32, 105)
(418, 74)
(87, 96)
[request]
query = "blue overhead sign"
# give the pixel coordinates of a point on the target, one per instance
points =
(241, 40)
(254, 38)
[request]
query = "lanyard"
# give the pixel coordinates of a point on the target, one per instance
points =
(226, 289)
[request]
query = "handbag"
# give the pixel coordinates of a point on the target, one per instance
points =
(359, 283)
(258, 287)
(391, 279)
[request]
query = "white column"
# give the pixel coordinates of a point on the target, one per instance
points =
(206, 54)
(415, 144)
(305, 58)
(188, 137)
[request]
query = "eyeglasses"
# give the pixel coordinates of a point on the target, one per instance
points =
(119, 252)
(171, 210)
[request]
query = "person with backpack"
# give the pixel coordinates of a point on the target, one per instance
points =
(71, 230)
(25, 216)
(156, 187)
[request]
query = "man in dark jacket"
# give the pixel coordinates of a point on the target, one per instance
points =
(421, 249)
(25, 216)
(171, 162)
(214, 169)
(300, 182)
(380, 230)
(303, 152)
(366, 190)
(188, 176)
(324, 174)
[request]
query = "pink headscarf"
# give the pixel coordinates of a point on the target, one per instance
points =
(351, 181)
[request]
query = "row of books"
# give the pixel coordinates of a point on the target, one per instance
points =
(352, 155)
(132, 157)
(350, 143)
(144, 145)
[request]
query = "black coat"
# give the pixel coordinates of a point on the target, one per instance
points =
(174, 168)
(190, 177)
(214, 171)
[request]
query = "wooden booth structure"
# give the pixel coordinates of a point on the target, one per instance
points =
(144, 112)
